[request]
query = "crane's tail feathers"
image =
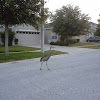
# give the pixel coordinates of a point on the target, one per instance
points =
(41, 60)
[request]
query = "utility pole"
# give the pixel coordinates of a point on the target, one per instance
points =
(42, 27)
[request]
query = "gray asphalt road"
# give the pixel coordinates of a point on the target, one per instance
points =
(72, 77)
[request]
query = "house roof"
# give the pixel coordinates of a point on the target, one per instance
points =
(48, 25)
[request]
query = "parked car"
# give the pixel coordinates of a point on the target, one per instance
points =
(93, 39)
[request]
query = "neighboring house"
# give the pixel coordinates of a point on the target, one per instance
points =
(53, 37)
(92, 30)
(83, 38)
(49, 35)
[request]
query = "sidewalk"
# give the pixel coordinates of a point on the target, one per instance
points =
(64, 48)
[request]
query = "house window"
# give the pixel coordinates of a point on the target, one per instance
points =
(54, 37)
(27, 32)
(37, 32)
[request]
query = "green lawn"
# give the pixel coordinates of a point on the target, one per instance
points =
(80, 44)
(25, 55)
(17, 49)
(92, 47)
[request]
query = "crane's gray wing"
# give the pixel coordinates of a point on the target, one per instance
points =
(45, 58)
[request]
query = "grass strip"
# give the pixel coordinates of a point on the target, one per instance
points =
(80, 44)
(25, 55)
(92, 47)
(17, 49)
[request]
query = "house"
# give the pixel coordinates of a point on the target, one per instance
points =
(27, 35)
(83, 38)
(92, 30)
(50, 36)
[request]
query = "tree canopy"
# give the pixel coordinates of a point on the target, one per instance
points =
(69, 21)
(21, 11)
(14, 12)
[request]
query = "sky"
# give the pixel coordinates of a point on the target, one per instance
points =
(90, 7)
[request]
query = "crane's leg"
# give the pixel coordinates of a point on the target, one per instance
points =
(47, 66)
(41, 66)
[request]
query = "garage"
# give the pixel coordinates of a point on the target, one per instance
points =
(28, 37)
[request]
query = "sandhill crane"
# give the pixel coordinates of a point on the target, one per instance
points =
(45, 58)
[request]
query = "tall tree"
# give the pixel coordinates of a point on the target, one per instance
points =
(14, 12)
(69, 21)
(97, 33)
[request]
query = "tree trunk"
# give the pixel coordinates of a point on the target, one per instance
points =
(62, 38)
(6, 40)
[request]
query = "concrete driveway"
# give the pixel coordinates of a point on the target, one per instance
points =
(71, 77)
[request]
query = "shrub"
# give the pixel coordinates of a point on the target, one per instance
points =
(52, 43)
(71, 41)
(10, 36)
(65, 43)
(78, 40)
(61, 43)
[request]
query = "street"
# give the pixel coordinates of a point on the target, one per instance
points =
(71, 77)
